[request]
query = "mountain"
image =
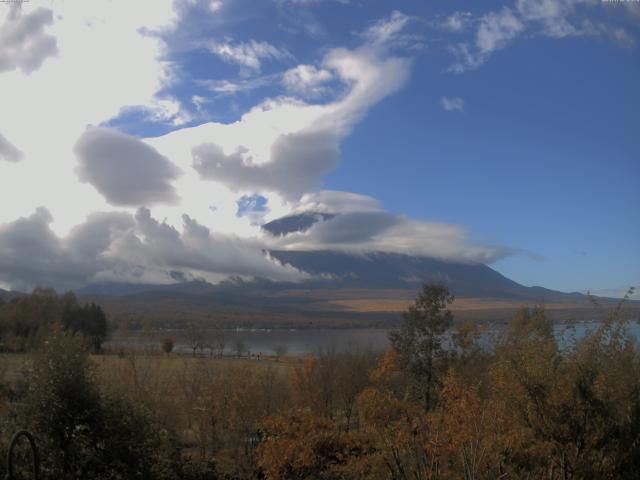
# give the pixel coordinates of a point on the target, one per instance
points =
(396, 271)
(336, 270)
(7, 296)
(380, 270)
(117, 289)
(349, 289)
(340, 271)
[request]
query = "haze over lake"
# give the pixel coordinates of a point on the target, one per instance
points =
(300, 342)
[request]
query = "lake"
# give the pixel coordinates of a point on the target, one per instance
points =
(299, 342)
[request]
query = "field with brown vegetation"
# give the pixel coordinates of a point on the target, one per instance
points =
(529, 408)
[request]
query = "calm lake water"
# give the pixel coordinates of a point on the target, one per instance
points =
(304, 341)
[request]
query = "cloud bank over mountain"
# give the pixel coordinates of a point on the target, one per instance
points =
(107, 121)
(117, 246)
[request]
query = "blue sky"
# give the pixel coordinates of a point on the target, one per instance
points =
(544, 156)
(502, 132)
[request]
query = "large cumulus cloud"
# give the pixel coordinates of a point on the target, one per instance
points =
(24, 43)
(286, 146)
(118, 246)
(193, 177)
(300, 161)
(31, 254)
(44, 112)
(124, 169)
(361, 225)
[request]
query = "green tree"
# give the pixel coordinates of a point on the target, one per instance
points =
(25, 317)
(84, 433)
(418, 341)
(89, 320)
(95, 325)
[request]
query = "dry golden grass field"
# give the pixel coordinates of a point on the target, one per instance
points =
(463, 304)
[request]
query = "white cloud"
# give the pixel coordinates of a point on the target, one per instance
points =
(199, 101)
(231, 87)
(117, 246)
(214, 5)
(24, 44)
(249, 54)
(386, 29)
(169, 111)
(452, 104)
(552, 15)
(125, 170)
(496, 30)
(285, 146)
(551, 18)
(300, 160)
(306, 80)
(107, 60)
(329, 201)
(390, 33)
(308, 2)
(363, 226)
(211, 6)
(456, 22)
(31, 253)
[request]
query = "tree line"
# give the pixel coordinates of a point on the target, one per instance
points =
(25, 319)
(529, 407)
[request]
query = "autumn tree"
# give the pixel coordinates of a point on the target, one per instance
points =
(570, 413)
(303, 446)
(394, 434)
(167, 345)
(328, 383)
(25, 316)
(464, 432)
(471, 359)
(418, 341)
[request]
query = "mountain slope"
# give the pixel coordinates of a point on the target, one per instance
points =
(337, 270)
(396, 271)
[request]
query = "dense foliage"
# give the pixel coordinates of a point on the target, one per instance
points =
(529, 407)
(25, 319)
